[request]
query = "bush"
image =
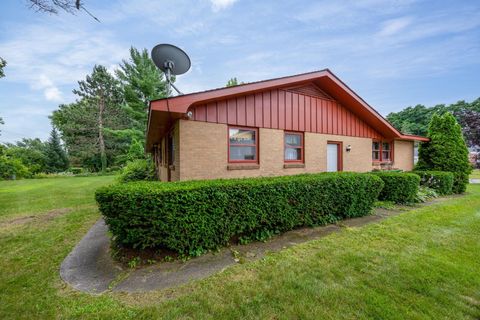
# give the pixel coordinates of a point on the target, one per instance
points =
(137, 170)
(446, 150)
(425, 194)
(440, 181)
(399, 187)
(76, 170)
(12, 168)
(193, 216)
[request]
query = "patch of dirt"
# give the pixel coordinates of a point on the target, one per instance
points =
(41, 217)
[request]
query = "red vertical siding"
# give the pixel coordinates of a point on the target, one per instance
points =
(212, 112)
(274, 108)
(315, 116)
(222, 111)
(308, 118)
(250, 107)
(295, 111)
(282, 110)
(259, 110)
(267, 110)
(241, 111)
(287, 110)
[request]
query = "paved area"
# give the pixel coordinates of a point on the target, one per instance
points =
(475, 181)
(90, 268)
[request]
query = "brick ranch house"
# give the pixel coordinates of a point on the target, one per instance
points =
(310, 122)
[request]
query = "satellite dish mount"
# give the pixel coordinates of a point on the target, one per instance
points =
(172, 61)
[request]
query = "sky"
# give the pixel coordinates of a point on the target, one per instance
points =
(394, 54)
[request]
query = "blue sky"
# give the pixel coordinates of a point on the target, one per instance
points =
(392, 53)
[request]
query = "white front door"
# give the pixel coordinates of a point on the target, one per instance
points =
(332, 157)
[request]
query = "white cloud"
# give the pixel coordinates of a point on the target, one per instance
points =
(218, 5)
(394, 26)
(53, 94)
(51, 55)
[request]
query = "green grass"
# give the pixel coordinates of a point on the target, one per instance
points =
(475, 174)
(421, 264)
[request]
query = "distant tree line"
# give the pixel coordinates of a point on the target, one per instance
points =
(415, 120)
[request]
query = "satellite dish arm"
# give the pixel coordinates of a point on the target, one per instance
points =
(178, 91)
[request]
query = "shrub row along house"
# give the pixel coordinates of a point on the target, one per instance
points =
(305, 123)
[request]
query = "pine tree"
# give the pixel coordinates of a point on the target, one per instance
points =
(56, 157)
(141, 81)
(446, 150)
(3, 64)
(102, 99)
(233, 82)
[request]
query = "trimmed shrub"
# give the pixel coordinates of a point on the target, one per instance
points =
(194, 216)
(399, 187)
(440, 181)
(137, 170)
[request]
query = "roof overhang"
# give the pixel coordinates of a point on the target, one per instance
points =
(163, 112)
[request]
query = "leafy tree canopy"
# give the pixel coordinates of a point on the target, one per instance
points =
(415, 120)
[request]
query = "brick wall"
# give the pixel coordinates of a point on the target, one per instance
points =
(203, 153)
(403, 155)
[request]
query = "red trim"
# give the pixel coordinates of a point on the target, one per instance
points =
(339, 155)
(380, 151)
(414, 137)
(256, 145)
(302, 146)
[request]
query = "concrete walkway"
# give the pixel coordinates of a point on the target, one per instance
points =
(90, 268)
(475, 181)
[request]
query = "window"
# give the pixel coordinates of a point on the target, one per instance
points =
(242, 145)
(293, 147)
(376, 151)
(171, 149)
(381, 151)
(386, 151)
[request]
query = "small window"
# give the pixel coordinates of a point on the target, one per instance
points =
(381, 151)
(376, 151)
(242, 144)
(386, 151)
(171, 149)
(293, 147)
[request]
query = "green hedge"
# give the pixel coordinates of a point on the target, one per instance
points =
(440, 181)
(138, 170)
(399, 187)
(194, 216)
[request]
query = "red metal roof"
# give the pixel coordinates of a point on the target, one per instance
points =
(163, 112)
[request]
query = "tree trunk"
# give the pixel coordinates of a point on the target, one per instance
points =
(101, 140)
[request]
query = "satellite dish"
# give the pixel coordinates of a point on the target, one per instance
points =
(171, 60)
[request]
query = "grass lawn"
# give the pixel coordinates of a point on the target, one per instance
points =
(475, 174)
(421, 264)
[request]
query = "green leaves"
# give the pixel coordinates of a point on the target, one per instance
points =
(440, 181)
(194, 216)
(399, 187)
(446, 150)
